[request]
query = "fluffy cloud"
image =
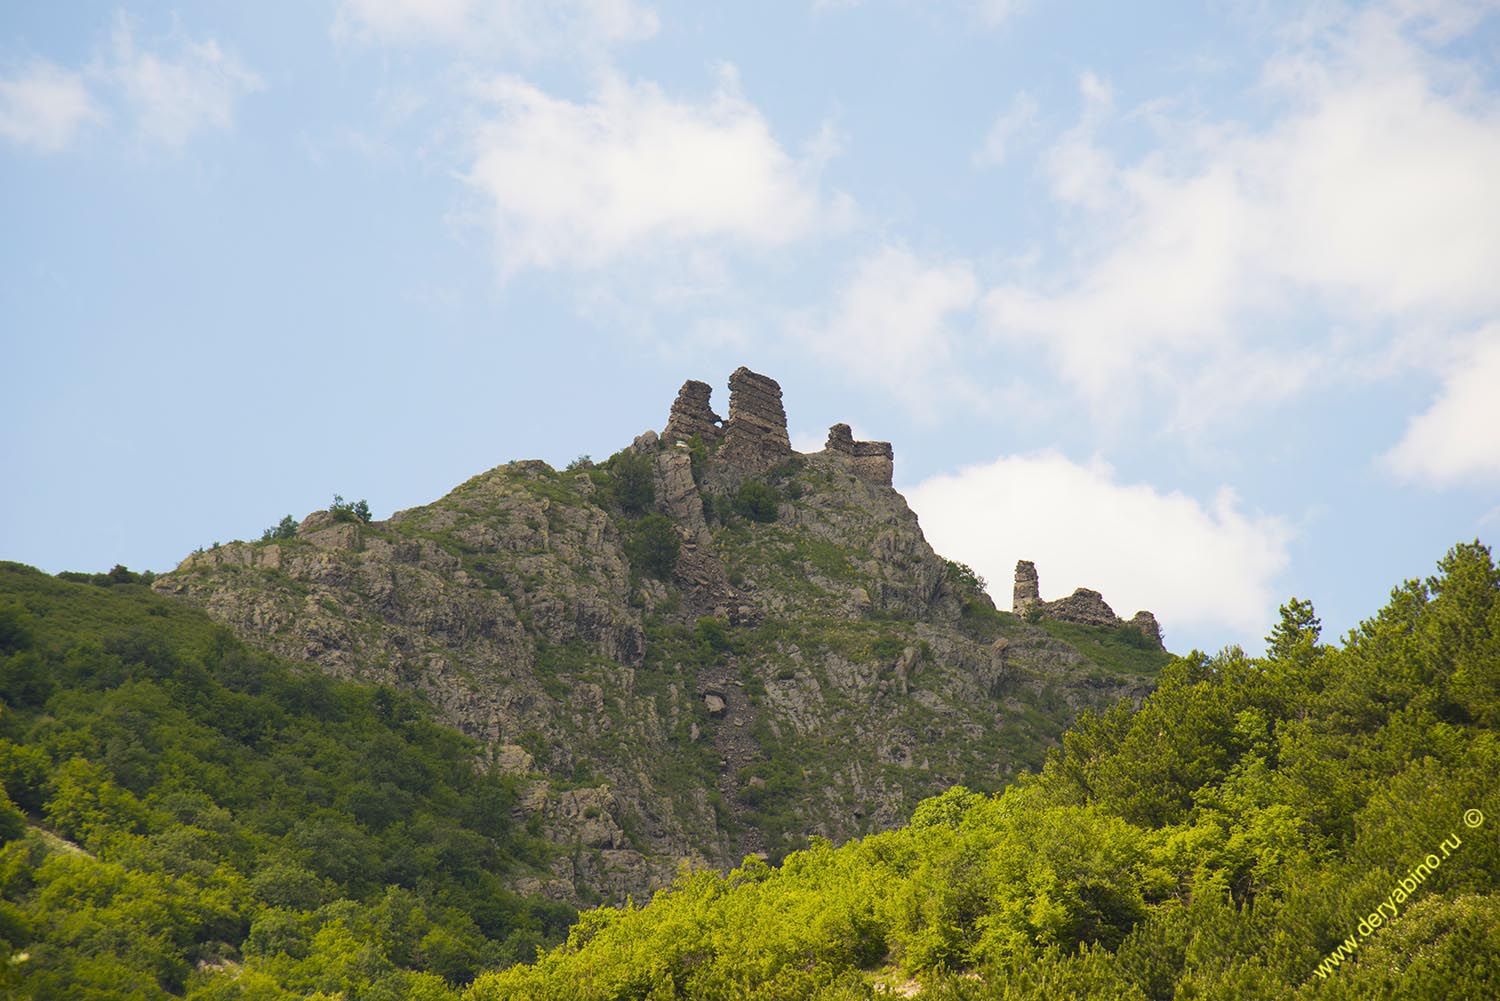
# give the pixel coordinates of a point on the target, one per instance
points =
(1457, 439)
(892, 325)
(1200, 567)
(178, 93)
(45, 107)
(526, 27)
(632, 172)
(1369, 202)
(1019, 116)
(171, 94)
(990, 13)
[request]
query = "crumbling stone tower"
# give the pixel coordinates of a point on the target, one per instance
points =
(755, 437)
(692, 415)
(1027, 592)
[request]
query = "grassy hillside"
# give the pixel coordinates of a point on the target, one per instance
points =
(1231, 839)
(183, 814)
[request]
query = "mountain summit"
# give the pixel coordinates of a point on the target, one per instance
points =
(705, 646)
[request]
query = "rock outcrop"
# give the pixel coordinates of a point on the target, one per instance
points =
(691, 415)
(755, 438)
(822, 666)
(872, 461)
(1084, 606)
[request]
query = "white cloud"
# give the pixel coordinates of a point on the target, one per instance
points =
(891, 325)
(175, 95)
(991, 13)
(1079, 171)
(1019, 116)
(1368, 202)
(1457, 439)
(632, 172)
(530, 28)
(996, 12)
(45, 107)
(1197, 566)
(170, 95)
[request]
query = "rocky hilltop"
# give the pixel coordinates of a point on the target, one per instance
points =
(706, 646)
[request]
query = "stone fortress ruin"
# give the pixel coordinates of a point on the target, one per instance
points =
(1083, 606)
(754, 438)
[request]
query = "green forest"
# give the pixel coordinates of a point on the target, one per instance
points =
(185, 816)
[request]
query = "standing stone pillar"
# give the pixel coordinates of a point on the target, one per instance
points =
(1027, 591)
(755, 438)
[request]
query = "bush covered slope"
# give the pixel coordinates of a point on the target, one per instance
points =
(1225, 841)
(181, 813)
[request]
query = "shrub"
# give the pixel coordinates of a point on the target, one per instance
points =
(965, 577)
(632, 481)
(698, 456)
(712, 639)
(652, 546)
(344, 511)
(756, 501)
(286, 528)
(118, 574)
(12, 822)
(15, 632)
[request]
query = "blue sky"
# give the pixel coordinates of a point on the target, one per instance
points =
(1198, 306)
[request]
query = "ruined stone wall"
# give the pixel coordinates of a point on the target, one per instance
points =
(692, 415)
(872, 461)
(1084, 606)
(754, 438)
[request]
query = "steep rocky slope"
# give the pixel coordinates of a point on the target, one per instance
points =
(707, 646)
